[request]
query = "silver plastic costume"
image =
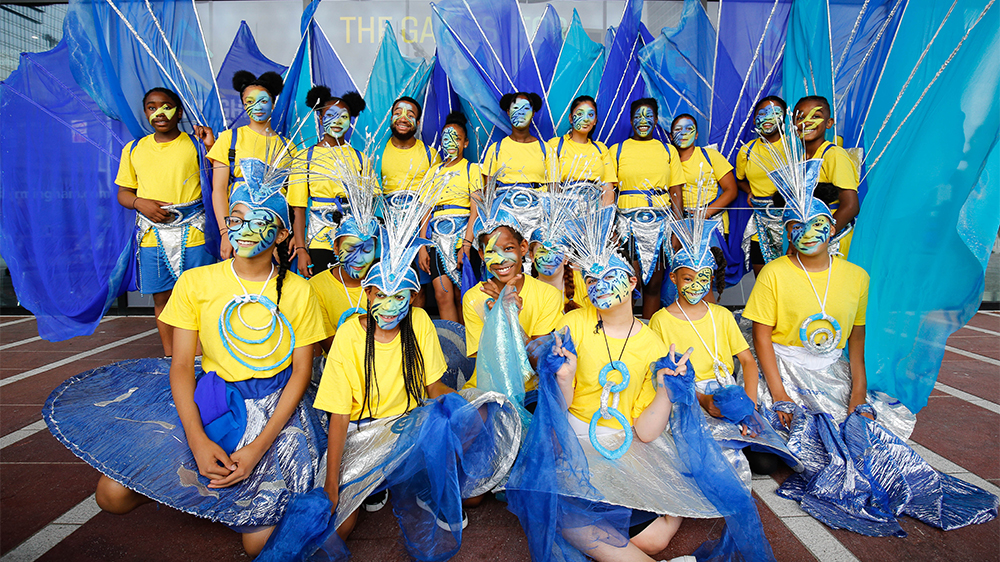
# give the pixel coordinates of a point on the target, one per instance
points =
(766, 224)
(322, 216)
(172, 236)
(646, 230)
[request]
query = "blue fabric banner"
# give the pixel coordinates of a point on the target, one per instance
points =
(242, 55)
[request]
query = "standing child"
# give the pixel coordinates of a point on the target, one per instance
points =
(575, 156)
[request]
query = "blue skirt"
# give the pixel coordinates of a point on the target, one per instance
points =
(121, 420)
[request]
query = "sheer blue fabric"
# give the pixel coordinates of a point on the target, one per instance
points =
(577, 73)
(621, 81)
(551, 474)
(243, 55)
(751, 40)
(808, 66)
(43, 233)
(486, 52)
(392, 76)
(502, 365)
(546, 44)
(303, 533)
(906, 205)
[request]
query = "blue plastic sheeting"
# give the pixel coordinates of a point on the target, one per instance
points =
(808, 65)
(242, 55)
(621, 81)
(922, 229)
(678, 65)
(751, 39)
(546, 44)
(577, 73)
(392, 76)
(67, 241)
(119, 50)
(485, 50)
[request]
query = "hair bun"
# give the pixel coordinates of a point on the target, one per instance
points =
(242, 80)
(354, 102)
(270, 81)
(317, 96)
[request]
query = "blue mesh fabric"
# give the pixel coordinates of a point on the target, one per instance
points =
(500, 366)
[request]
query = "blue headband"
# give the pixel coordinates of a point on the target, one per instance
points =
(259, 191)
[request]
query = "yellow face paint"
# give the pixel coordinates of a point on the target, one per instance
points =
(810, 121)
(168, 112)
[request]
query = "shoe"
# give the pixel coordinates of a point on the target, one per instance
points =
(440, 522)
(687, 558)
(376, 502)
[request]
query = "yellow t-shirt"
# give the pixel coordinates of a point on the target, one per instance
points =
(715, 167)
(646, 165)
(163, 171)
(524, 162)
(401, 167)
(540, 312)
(302, 186)
(640, 351)
(682, 335)
(335, 298)
(459, 188)
(202, 293)
(782, 298)
(589, 161)
(249, 144)
(342, 388)
(837, 168)
(749, 167)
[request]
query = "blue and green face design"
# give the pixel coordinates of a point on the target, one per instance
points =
(694, 289)
(254, 232)
(643, 122)
(609, 289)
(500, 262)
(336, 121)
(451, 142)
(356, 255)
(584, 117)
(768, 119)
(548, 259)
(258, 105)
(404, 114)
(520, 113)
(809, 238)
(389, 310)
(684, 132)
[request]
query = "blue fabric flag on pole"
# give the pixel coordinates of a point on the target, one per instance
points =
(242, 55)
(621, 81)
(546, 44)
(577, 73)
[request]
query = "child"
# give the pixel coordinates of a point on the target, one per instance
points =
(240, 440)
(695, 161)
(160, 178)
(547, 248)
(517, 160)
(316, 194)
(576, 157)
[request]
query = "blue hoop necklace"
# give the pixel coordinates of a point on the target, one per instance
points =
(277, 321)
(607, 411)
(831, 338)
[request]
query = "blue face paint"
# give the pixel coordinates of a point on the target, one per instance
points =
(809, 238)
(643, 122)
(583, 118)
(694, 287)
(500, 262)
(547, 260)
(450, 141)
(684, 132)
(253, 233)
(389, 310)
(610, 289)
(769, 119)
(258, 105)
(336, 121)
(520, 113)
(356, 255)
(404, 115)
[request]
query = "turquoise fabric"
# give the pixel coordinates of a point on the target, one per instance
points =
(578, 72)
(808, 65)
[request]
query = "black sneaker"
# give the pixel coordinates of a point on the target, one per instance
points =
(376, 502)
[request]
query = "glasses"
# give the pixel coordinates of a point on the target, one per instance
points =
(256, 225)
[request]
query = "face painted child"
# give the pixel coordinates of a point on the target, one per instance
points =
(336, 120)
(692, 285)
(643, 122)
(404, 119)
(388, 310)
(161, 112)
(356, 255)
(502, 254)
(258, 103)
(812, 237)
(454, 143)
(611, 288)
(546, 259)
(811, 120)
(584, 117)
(684, 132)
(520, 113)
(769, 118)
(253, 231)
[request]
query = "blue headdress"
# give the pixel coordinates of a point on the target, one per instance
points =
(360, 187)
(558, 206)
(593, 241)
(261, 188)
(796, 180)
(695, 234)
(493, 211)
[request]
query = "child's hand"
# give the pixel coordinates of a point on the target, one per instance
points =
(744, 430)
(679, 371)
(424, 260)
(568, 370)
(152, 209)
(245, 460)
(209, 456)
(786, 418)
(206, 136)
(707, 402)
(333, 492)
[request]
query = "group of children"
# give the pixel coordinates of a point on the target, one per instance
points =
(256, 430)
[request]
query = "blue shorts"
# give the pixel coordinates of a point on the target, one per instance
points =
(154, 275)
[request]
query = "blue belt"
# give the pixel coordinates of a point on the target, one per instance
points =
(449, 208)
(529, 185)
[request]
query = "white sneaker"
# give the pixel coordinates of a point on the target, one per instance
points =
(686, 558)
(375, 502)
(440, 522)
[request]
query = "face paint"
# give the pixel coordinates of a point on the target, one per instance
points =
(584, 118)
(520, 113)
(499, 262)
(450, 143)
(254, 233)
(809, 238)
(356, 255)
(163, 110)
(768, 119)
(695, 290)
(808, 123)
(404, 114)
(336, 121)
(547, 260)
(389, 310)
(684, 132)
(609, 290)
(643, 121)
(258, 105)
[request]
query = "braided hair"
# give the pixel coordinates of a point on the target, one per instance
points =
(284, 263)
(413, 364)
(720, 269)
(569, 288)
